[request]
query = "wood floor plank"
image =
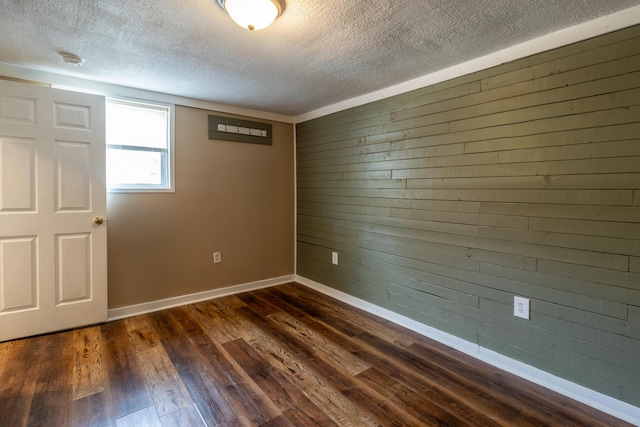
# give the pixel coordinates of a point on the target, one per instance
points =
(89, 372)
(19, 381)
(93, 410)
(384, 328)
(162, 380)
(456, 387)
(241, 400)
(188, 416)
(369, 403)
(192, 371)
(53, 392)
(289, 398)
(376, 326)
(500, 388)
(319, 343)
(219, 319)
(248, 401)
(438, 395)
(127, 389)
(341, 410)
(417, 404)
(146, 417)
(281, 356)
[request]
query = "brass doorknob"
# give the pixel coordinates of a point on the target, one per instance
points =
(98, 220)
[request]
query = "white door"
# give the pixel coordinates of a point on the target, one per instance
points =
(53, 251)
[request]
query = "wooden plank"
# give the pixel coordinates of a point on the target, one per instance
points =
(589, 320)
(546, 196)
(19, 377)
(553, 345)
(622, 148)
(92, 410)
(290, 399)
(467, 132)
(341, 149)
(549, 365)
(600, 134)
(224, 394)
(544, 399)
(53, 393)
(620, 230)
(188, 416)
(602, 55)
(608, 213)
(509, 112)
(560, 116)
(413, 402)
(568, 55)
(589, 370)
(417, 170)
(376, 235)
(611, 295)
(127, 389)
(376, 408)
(331, 203)
(575, 84)
(334, 404)
(89, 370)
(609, 245)
(618, 181)
(382, 109)
(463, 218)
(508, 98)
(319, 209)
(351, 184)
(342, 359)
(303, 304)
(591, 274)
(208, 400)
(6, 350)
(438, 279)
(163, 382)
(143, 418)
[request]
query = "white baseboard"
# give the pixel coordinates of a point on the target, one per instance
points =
(148, 307)
(599, 401)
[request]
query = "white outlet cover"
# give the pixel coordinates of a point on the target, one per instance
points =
(521, 307)
(334, 258)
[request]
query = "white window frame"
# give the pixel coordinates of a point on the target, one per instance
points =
(168, 185)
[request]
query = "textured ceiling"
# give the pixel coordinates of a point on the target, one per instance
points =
(316, 54)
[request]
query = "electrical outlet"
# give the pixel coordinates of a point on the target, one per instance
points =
(217, 257)
(521, 307)
(334, 258)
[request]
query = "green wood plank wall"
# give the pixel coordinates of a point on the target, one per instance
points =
(523, 179)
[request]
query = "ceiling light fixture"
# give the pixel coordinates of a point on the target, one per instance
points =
(253, 14)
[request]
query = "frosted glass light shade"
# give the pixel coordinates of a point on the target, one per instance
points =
(253, 14)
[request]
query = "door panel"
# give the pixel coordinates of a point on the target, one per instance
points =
(73, 176)
(18, 274)
(52, 185)
(73, 254)
(18, 178)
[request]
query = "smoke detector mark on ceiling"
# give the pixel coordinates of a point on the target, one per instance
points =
(71, 59)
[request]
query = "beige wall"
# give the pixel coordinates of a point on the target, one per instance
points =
(231, 197)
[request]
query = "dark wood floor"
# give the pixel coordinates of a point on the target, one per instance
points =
(283, 356)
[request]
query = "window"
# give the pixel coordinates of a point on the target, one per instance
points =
(139, 143)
